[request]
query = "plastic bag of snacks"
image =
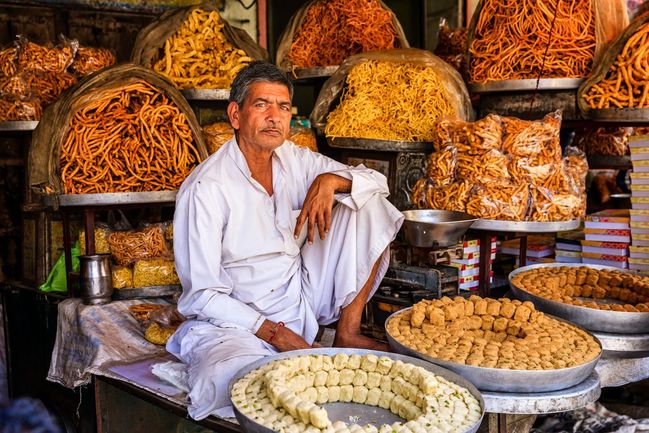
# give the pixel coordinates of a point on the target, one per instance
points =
(89, 60)
(154, 272)
(441, 166)
(576, 165)
(603, 141)
(12, 108)
(483, 169)
(47, 58)
(122, 277)
(303, 136)
(129, 246)
(453, 196)
(471, 138)
(217, 134)
(505, 201)
(538, 139)
(550, 205)
(102, 246)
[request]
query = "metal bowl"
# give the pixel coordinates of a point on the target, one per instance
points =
(340, 411)
(616, 322)
(506, 380)
(428, 228)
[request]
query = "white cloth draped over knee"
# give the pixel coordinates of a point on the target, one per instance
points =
(239, 262)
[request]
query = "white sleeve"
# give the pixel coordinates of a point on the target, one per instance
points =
(365, 182)
(198, 228)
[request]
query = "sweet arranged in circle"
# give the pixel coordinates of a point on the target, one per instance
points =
(568, 284)
(286, 395)
(492, 333)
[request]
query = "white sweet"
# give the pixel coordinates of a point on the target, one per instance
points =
(327, 363)
(373, 397)
(320, 378)
(396, 403)
(310, 394)
(309, 378)
(316, 363)
(340, 361)
(346, 376)
(346, 393)
(386, 383)
(360, 394)
(354, 362)
(355, 428)
(318, 417)
(384, 365)
(360, 378)
(373, 380)
(323, 394)
(304, 362)
(369, 428)
(334, 393)
(291, 405)
(386, 399)
(369, 362)
(333, 378)
(303, 409)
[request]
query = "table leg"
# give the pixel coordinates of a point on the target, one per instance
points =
(67, 251)
(89, 225)
(510, 423)
(484, 264)
(522, 252)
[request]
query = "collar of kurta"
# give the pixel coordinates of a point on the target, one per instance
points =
(239, 159)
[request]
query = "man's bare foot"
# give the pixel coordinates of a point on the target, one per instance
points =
(360, 342)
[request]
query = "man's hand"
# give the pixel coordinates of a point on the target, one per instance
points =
(318, 204)
(281, 337)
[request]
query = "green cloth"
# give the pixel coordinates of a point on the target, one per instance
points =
(57, 279)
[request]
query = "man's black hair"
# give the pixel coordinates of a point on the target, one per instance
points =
(257, 71)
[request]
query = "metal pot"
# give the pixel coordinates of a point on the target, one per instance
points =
(96, 279)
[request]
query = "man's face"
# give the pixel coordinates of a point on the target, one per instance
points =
(263, 121)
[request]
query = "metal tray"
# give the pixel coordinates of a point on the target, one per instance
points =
(630, 115)
(619, 322)
(428, 228)
(206, 94)
(320, 71)
(380, 145)
(525, 226)
(18, 125)
(526, 85)
(114, 198)
(501, 379)
(146, 292)
(341, 411)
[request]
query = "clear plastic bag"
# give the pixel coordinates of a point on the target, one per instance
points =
(576, 165)
(90, 59)
(441, 166)
(504, 201)
(122, 277)
(472, 138)
(154, 272)
(8, 61)
(46, 58)
(453, 196)
(12, 108)
(603, 141)
(538, 139)
(102, 232)
(217, 134)
(129, 246)
(549, 206)
(483, 169)
(450, 41)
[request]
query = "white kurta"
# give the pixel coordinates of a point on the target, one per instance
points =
(239, 262)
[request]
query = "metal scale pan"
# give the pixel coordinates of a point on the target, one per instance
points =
(501, 379)
(526, 85)
(620, 115)
(616, 322)
(359, 413)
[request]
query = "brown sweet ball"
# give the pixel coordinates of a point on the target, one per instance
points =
(480, 307)
(487, 322)
(507, 310)
(493, 307)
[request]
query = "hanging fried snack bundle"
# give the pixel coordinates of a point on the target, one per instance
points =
(390, 101)
(511, 40)
(626, 84)
(336, 29)
(131, 138)
(198, 55)
(35, 57)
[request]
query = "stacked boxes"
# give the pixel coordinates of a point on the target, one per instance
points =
(568, 246)
(540, 249)
(468, 265)
(639, 214)
(608, 235)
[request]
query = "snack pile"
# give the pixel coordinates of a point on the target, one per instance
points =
(125, 139)
(333, 30)
(377, 90)
(510, 40)
(492, 333)
(199, 55)
(32, 76)
(285, 395)
(570, 284)
(504, 168)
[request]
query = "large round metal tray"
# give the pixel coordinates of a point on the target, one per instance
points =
(317, 72)
(115, 198)
(589, 318)
(362, 414)
(630, 115)
(525, 226)
(624, 345)
(501, 379)
(380, 145)
(146, 292)
(18, 125)
(526, 85)
(206, 94)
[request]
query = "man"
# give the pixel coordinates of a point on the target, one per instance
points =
(250, 288)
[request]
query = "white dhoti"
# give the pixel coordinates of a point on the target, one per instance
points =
(331, 274)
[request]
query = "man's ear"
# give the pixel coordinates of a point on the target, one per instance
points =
(233, 114)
